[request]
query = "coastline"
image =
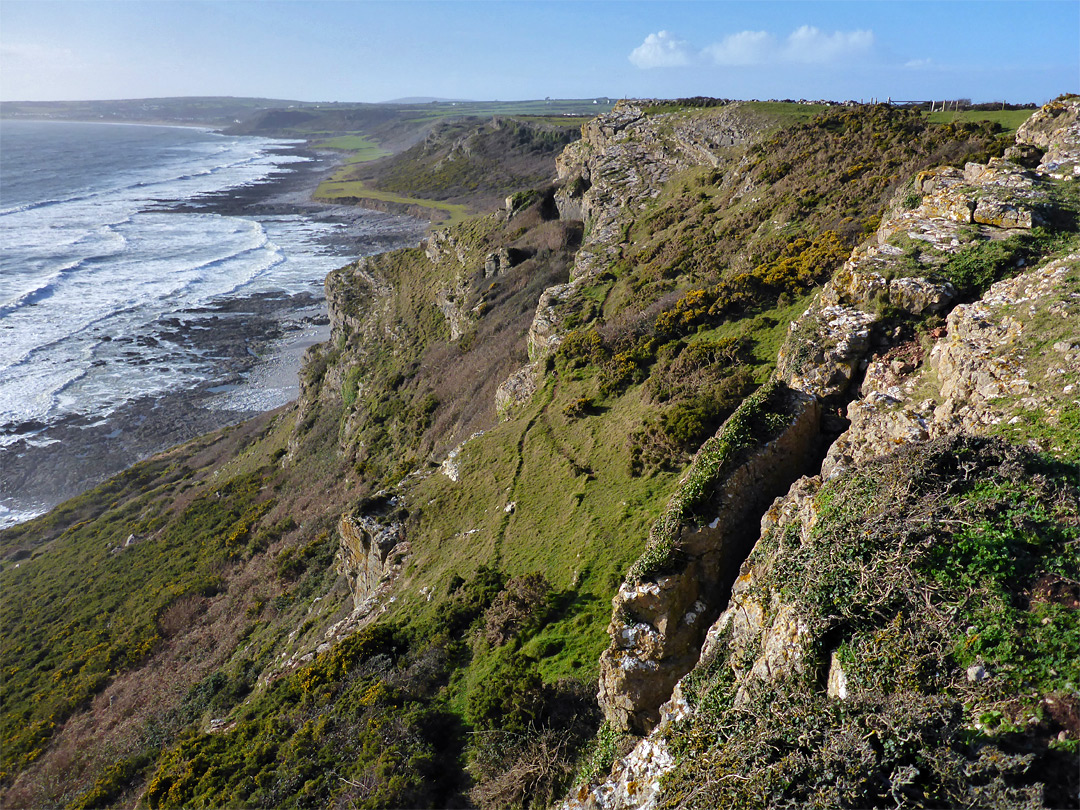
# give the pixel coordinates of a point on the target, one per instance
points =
(257, 342)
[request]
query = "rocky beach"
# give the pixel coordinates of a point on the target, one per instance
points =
(254, 343)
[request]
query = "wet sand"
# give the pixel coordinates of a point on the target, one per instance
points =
(256, 342)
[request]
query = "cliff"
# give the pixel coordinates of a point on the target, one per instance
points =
(901, 630)
(757, 419)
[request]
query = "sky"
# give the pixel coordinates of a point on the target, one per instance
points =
(348, 50)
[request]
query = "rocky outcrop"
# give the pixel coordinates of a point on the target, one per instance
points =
(659, 619)
(825, 351)
(352, 293)
(1010, 358)
(1055, 131)
(443, 248)
(517, 389)
(756, 626)
(655, 632)
(370, 551)
(621, 163)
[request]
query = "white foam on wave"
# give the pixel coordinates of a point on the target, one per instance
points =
(13, 517)
(82, 274)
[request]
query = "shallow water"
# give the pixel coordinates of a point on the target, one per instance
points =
(121, 285)
(85, 260)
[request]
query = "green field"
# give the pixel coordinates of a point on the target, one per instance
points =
(336, 190)
(362, 148)
(1010, 120)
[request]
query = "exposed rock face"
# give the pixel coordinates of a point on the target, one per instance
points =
(517, 389)
(352, 293)
(500, 262)
(828, 343)
(658, 624)
(556, 305)
(444, 249)
(1055, 130)
(369, 552)
(1011, 356)
(355, 297)
(622, 161)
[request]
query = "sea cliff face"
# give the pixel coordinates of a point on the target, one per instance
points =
(839, 609)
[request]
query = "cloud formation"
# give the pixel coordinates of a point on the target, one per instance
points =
(810, 45)
(744, 48)
(662, 49)
(806, 45)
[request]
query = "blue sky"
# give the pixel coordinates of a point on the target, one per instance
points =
(344, 50)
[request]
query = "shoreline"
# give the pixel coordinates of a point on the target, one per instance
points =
(257, 342)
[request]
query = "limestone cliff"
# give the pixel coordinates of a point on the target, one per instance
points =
(620, 164)
(840, 623)
(400, 592)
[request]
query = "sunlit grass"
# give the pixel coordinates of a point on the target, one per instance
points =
(1010, 120)
(362, 149)
(338, 190)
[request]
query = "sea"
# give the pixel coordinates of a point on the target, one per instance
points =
(112, 300)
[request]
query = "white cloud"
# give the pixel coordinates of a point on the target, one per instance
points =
(917, 64)
(744, 48)
(662, 49)
(32, 52)
(812, 45)
(805, 45)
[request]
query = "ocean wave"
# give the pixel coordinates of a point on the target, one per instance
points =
(216, 289)
(33, 206)
(45, 288)
(13, 517)
(91, 275)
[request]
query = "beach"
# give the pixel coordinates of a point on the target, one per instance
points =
(254, 340)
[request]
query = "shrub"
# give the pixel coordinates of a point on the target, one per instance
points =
(668, 442)
(511, 698)
(521, 605)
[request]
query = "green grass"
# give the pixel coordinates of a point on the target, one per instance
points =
(336, 190)
(1010, 120)
(579, 518)
(785, 113)
(362, 149)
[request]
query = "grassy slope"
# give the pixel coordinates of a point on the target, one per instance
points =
(462, 166)
(355, 192)
(359, 147)
(581, 515)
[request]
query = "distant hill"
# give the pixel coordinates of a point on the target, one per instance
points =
(422, 100)
(208, 110)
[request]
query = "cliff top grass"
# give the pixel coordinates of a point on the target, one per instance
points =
(1008, 120)
(360, 148)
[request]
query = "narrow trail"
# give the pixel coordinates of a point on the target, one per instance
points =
(504, 523)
